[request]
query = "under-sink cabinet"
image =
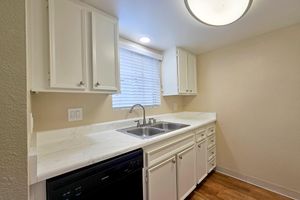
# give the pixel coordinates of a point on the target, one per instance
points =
(73, 51)
(171, 168)
(175, 166)
(161, 180)
(186, 172)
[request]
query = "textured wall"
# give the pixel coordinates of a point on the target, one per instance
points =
(50, 109)
(254, 86)
(13, 134)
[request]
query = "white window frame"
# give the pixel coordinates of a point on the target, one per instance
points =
(140, 49)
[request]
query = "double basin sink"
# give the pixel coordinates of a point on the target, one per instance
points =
(156, 129)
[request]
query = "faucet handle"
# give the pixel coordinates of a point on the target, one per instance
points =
(152, 121)
(138, 123)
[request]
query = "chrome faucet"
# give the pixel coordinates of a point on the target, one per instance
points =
(144, 114)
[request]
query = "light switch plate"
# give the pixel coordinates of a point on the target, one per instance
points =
(75, 114)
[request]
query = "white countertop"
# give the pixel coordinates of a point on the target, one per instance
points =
(64, 150)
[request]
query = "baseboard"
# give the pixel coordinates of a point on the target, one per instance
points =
(254, 181)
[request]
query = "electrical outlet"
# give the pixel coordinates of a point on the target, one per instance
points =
(75, 114)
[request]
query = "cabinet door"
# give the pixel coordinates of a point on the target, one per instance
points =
(67, 45)
(192, 74)
(182, 71)
(162, 180)
(186, 172)
(201, 152)
(105, 52)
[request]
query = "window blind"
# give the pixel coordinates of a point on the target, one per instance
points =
(139, 80)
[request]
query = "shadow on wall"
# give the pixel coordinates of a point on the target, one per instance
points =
(226, 152)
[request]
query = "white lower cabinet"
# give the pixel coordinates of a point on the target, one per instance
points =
(162, 180)
(186, 172)
(175, 166)
(201, 161)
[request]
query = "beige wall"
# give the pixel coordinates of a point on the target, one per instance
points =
(254, 86)
(50, 109)
(13, 134)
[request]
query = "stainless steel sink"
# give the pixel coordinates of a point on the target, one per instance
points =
(169, 125)
(145, 131)
(156, 129)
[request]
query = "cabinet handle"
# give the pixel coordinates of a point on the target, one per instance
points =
(173, 161)
(97, 84)
(81, 83)
(180, 157)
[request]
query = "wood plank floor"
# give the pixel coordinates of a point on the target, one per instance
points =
(220, 187)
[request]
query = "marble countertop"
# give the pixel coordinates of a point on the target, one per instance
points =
(64, 150)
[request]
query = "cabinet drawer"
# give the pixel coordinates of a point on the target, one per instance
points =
(211, 130)
(161, 151)
(211, 165)
(211, 141)
(200, 134)
(211, 153)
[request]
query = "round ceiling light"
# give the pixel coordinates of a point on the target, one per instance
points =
(218, 12)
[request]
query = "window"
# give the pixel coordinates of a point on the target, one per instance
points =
(139, 80)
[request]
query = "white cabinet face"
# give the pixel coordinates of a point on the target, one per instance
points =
(201, 151)
(179, 73)
(192, 73)
(186, 172)
(182, 71)
(67, 45)
(105, 52)
(162, 181)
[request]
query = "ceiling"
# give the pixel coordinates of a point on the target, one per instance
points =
(168, 23)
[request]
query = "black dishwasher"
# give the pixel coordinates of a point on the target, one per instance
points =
(116, 178)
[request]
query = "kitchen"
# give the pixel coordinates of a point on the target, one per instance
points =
(150, 98)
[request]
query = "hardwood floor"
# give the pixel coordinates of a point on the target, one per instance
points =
(221, 187)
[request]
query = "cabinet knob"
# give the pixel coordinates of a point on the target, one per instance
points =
(97, 84)
(81, 83)
(199, 145)
(202, 134)
(180, 157)
(173, 161)
(187, 90)
(191, 90)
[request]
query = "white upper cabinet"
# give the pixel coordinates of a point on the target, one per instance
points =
(192, 74)
(179, 73)
(67, 45)
(72, 47)
(105, 52)
(182, 65)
